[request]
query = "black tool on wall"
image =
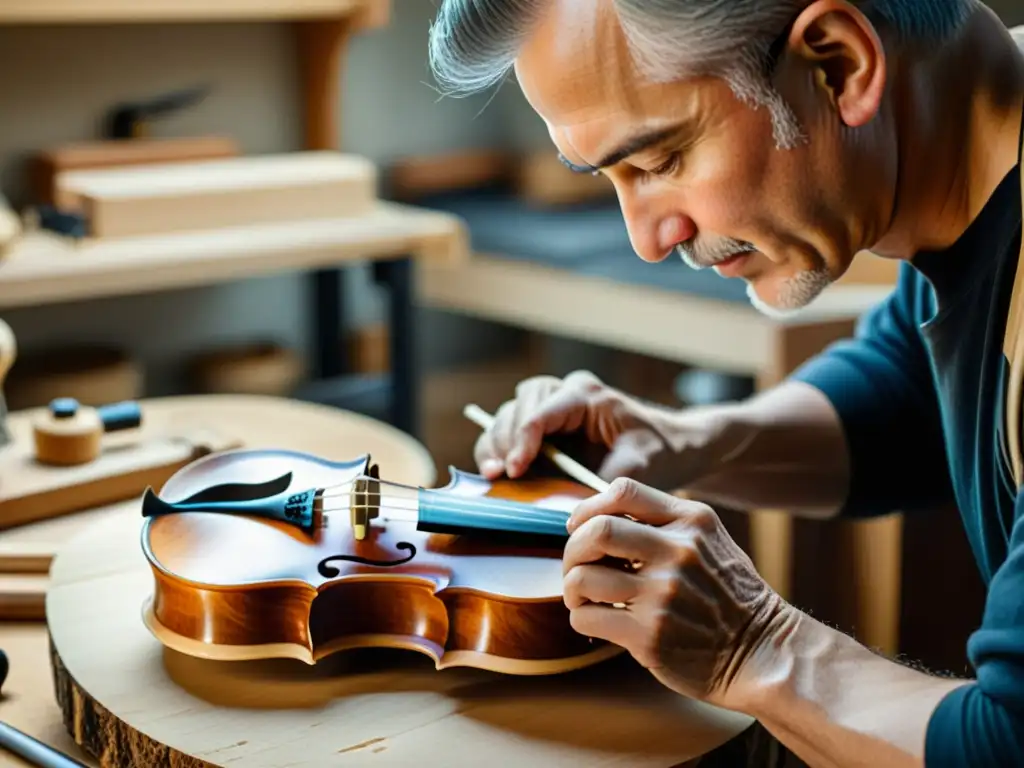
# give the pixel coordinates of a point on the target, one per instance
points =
(130, 120)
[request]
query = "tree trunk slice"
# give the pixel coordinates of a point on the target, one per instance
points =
(100, 733)
(130, 702)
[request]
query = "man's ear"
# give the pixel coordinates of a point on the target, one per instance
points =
(846, 57)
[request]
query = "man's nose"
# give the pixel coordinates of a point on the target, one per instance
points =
(655, 237)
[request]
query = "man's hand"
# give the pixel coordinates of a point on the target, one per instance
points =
(694, 609)
(661, 447)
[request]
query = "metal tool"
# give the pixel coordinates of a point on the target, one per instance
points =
(25, 746)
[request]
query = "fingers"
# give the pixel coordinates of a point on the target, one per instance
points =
(543, 405)
(628, 497)
(606, 623)
(492, 446)
(598, 584)
(561, 411)
(608, 536)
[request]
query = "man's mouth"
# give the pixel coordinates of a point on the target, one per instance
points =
(731, 257)
(733, 266)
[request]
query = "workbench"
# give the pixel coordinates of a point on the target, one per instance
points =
(46, 268)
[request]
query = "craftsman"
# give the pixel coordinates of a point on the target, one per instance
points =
(773, 140)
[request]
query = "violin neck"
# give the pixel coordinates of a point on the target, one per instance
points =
(440, 512)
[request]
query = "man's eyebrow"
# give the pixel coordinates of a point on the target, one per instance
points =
(629, 147)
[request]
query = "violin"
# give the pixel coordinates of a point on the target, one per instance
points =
(272, 553)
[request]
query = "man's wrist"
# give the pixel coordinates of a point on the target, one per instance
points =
(821, 692)
(764, 669)
(783, 449)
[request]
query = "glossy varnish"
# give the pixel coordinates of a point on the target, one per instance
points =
(239, 587)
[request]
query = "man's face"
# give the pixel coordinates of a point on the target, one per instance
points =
(699, 173)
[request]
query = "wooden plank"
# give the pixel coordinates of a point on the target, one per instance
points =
(213, 194)
(542, 180)
(117, 153)
(598, 310)
(27, 557)
(727, 336)
(34, 491)
(137, 11)
(23, 596)
(415, 176)
(45, 268)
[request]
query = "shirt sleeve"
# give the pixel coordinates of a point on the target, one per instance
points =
(982, 723)
(880, 383)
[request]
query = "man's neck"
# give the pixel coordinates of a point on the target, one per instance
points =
(959, 118)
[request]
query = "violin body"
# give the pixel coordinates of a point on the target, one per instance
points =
(242, 586)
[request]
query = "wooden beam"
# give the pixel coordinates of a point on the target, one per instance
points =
(320, 47)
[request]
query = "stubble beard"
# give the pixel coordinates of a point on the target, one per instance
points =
(796, 293)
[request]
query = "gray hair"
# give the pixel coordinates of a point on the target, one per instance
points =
(474, 43)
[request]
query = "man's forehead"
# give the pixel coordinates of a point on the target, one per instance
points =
(575, 61)
(577, 73)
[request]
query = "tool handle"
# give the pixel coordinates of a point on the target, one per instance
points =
(34, 751)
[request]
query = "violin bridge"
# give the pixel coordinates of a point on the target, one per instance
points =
(364, 501)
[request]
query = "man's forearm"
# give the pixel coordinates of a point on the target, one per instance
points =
(784, 448)
(834, 703)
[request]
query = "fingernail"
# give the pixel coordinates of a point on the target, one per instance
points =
(491, 467)
(514, 465)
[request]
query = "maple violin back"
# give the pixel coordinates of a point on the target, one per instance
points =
(246, 586)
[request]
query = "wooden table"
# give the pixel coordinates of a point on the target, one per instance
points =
(45, 269)
(28, 700)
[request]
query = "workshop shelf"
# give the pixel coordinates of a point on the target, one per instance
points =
(137, 11)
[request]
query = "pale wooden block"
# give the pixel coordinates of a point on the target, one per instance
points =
(222, 193)
(115, 153)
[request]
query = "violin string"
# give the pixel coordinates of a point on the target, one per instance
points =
(334, 492)
(440, 507)
(478, 505)
(345, 487)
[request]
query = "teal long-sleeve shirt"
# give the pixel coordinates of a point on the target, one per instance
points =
(920, 392)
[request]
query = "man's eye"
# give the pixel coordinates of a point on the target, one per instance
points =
(668, 166)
